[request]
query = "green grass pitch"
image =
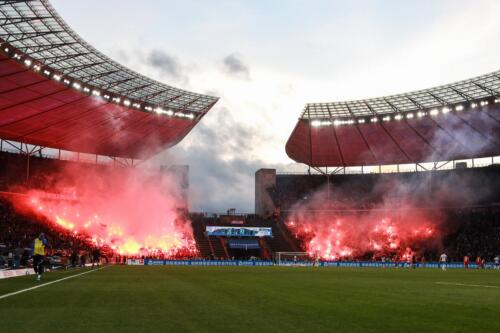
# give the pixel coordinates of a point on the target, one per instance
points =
(254, 299)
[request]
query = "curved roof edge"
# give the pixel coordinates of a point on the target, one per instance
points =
(459, 94)
(444, 134)
(32, 33)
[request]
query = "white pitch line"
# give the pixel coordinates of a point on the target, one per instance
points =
(48, 283)
(468, 285)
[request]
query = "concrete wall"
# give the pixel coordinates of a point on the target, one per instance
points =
(264, 178)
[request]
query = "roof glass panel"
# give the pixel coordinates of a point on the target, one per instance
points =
(483, 86)
(36, 29)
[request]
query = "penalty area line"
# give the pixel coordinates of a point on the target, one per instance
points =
(468, 285)
(49, 283)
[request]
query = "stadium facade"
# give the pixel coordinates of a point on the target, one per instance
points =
(58, 91)
(450, 122)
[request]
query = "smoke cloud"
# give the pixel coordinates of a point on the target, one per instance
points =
(132, 211)
(378, 216)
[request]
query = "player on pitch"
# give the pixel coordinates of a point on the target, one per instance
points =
(442, 261)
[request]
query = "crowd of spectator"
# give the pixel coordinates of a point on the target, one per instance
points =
(458, 187)
(474, 233)
(17, 232)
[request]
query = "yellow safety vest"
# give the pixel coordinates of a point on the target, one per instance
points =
(39, 248)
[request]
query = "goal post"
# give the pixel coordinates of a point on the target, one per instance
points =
(294, 259)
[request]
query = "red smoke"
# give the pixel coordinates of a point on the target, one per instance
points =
(382, 231)
(132, 211)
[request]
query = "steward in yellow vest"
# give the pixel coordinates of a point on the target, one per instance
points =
(39, 245)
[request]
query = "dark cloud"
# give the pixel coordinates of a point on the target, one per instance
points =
(234, 66)
(166, 64)
(221, 164)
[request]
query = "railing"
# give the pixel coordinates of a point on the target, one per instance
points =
(398, 168)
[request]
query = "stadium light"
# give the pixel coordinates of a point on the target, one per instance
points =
(184, 115)
(76, 85)
(473, 105)
(386, 118)
(96, 93)
(126, 102)
(398, 117)
(434, 112)
(46, 72)
(6, 50)
(86, 89)
(420, 114)
(497, 100)
(361, 121)
(159, 110)
(374, 119)
(66, 81)
(190, 116)
(27, 62)
(409, 116)
(459, 108)
(484, 103)
(445, 110)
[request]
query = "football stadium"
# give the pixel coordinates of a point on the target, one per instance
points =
(392, 226)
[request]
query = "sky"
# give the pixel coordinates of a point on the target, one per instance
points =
(267, 59)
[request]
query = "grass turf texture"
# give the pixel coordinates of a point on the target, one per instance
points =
(254, 299)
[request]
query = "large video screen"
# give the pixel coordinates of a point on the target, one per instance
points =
(239, 231)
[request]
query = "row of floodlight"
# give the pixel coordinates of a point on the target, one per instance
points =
(80, 86)
(400, 116)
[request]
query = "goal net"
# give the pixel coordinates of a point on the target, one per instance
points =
(294, 259)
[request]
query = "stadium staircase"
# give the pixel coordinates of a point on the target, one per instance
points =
(223, 242)
(202, 242)
(265, 250)
(219, 249)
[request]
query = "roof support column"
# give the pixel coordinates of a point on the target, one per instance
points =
(27, 168)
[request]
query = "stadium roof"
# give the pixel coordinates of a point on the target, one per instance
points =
(58, 91)
(450, 122)
(459, 92)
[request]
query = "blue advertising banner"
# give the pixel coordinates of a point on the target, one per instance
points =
(152, 262)
(394, 264)
(157, 262)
